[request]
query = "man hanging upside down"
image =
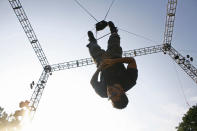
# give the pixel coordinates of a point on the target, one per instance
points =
(115, 79)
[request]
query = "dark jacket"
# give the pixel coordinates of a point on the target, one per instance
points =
(116, 74)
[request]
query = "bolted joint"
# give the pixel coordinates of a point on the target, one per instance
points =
(166, 47)
(47, 69)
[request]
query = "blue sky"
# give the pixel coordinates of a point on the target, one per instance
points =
(69, 103)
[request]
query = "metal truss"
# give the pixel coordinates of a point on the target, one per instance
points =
(170, 18)
(89, 61)
(37, 94)
(39, 88)
(22, 17)
(166, 48)
(181, 61)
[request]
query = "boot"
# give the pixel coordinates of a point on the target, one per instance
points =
(101, 25)
(91, 36)
(112, 27)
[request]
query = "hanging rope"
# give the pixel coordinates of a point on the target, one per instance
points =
(181, 86)
(103, 36)
(85, 10)
(131, 34)
(94, 17)
(106, 17)
(109, 10)
(93, 28)
(138, 35)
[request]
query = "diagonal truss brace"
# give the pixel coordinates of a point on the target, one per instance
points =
(89, 61)
(170, 18)
(22, 17)
(37, 94)
(181, 61)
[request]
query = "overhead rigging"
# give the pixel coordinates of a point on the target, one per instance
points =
(91, 14)
(109, 9)
(100, 24)
(181, 87)
(88, 12)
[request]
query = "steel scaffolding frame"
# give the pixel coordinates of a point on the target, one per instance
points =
(166, 48)
(24, 21)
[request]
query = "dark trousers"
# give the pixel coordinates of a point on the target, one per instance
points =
(114, 49)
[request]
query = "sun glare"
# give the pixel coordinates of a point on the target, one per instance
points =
(26, 121)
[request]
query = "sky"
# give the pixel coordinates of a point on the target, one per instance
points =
(157, 101)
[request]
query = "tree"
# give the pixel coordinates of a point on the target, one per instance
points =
(9, 122)
(189, 120)
(3, 119)
(12, 122)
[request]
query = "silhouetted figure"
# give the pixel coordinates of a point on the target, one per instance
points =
(115, 79)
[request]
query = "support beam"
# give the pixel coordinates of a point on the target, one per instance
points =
(170, 18)
(22, 17)
(37, 94)
(166, 48)
(89, 61)
(182, 62)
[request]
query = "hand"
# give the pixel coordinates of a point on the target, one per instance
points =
(107, 62)
(102, 67)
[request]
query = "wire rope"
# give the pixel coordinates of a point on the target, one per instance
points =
(103, 36)
(93, 28)
(109, 9)
(181, 87)
(137, 35)
(85, 10)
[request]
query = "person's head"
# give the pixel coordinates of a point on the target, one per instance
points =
(117, 96)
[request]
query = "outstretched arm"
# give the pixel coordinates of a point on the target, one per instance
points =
(98, 86)
(94, 80)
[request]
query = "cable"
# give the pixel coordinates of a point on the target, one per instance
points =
(181, 86)
(93, 28)
(109, 9)
(85, 10)
(138, 35)
(103, 36)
